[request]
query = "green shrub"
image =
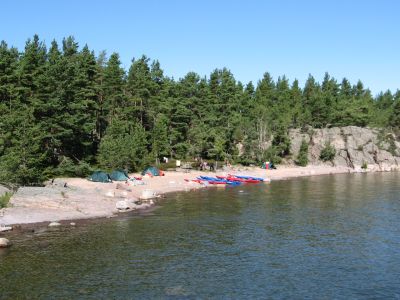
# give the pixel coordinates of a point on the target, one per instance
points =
(124, 146)
(392, 147)
(68, 167)
(328, 153)
(302, 158)
(5, 199)
(196, 164)
(246, 161)
(387, 138)
(171, 164)
(364, 165)
(281, 142)
(272, 155)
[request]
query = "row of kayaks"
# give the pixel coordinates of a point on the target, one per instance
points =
(227, 180)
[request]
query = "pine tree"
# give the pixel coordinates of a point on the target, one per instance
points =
(159, 137)
(302, 158)
(8, 94)
(296, 105)
(113, 91)
(383, 109)
(123, 147)
(139, 86)
(64, 110)
(394, 118)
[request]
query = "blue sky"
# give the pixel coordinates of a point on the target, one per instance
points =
(354, 38)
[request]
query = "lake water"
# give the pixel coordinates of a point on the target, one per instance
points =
(326, 237)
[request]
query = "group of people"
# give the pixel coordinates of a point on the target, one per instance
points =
(268, 165)
(205, 166)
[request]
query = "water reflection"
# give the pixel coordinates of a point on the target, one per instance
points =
(319, 237)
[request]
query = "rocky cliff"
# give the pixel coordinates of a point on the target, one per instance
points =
(374, 149)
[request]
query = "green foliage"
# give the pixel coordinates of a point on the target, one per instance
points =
(5, 199)
(364, 165)
(392, 148)
(64, 110)
(386, 141)
(281, 142)
(123, 147)
(302, 158)
(159, 135)
(171, 164)
(245, 161)
(394, 118)
(328, 153)
(272, 155)
(69, 168)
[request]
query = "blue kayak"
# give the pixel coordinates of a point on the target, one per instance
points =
(249, 177)
(218, 180)
(211, 178)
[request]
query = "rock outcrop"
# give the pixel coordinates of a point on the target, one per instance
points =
(355, 147)
(50, 197)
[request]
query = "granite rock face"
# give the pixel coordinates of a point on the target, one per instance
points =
(355, 147)
(50, 197)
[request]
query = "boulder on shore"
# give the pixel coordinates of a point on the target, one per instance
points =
(54, 224)
(122, 205)
(148, 194)
(4, 243)
(5, 228)
(128, 203)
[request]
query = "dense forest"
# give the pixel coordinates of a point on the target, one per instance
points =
(65, 111)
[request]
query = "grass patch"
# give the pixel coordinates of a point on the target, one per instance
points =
(328, 153)
(5, 199)
(302, 158)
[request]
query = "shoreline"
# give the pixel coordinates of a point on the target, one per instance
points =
(83, 200)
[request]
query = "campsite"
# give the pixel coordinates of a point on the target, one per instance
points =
(98, 196)
(199, 149)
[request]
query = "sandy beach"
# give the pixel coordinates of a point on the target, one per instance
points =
(76, 198)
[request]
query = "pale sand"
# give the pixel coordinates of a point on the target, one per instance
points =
(87, 199)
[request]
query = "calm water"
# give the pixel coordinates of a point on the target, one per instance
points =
(329, 237)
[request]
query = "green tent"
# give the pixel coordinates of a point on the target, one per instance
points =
(100, 176)
(119, 175)
(152, 171)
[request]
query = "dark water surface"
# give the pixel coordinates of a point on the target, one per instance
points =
(327, 237)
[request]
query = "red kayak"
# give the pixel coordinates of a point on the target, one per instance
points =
(202, 181)
(243, 180)
(195, 180)
(216, 182)
(233, 178)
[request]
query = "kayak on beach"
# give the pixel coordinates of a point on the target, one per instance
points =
(194, 180)
(240, 179)
(208, 181)
(215, 180)
(247, 177)
(227, 180)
